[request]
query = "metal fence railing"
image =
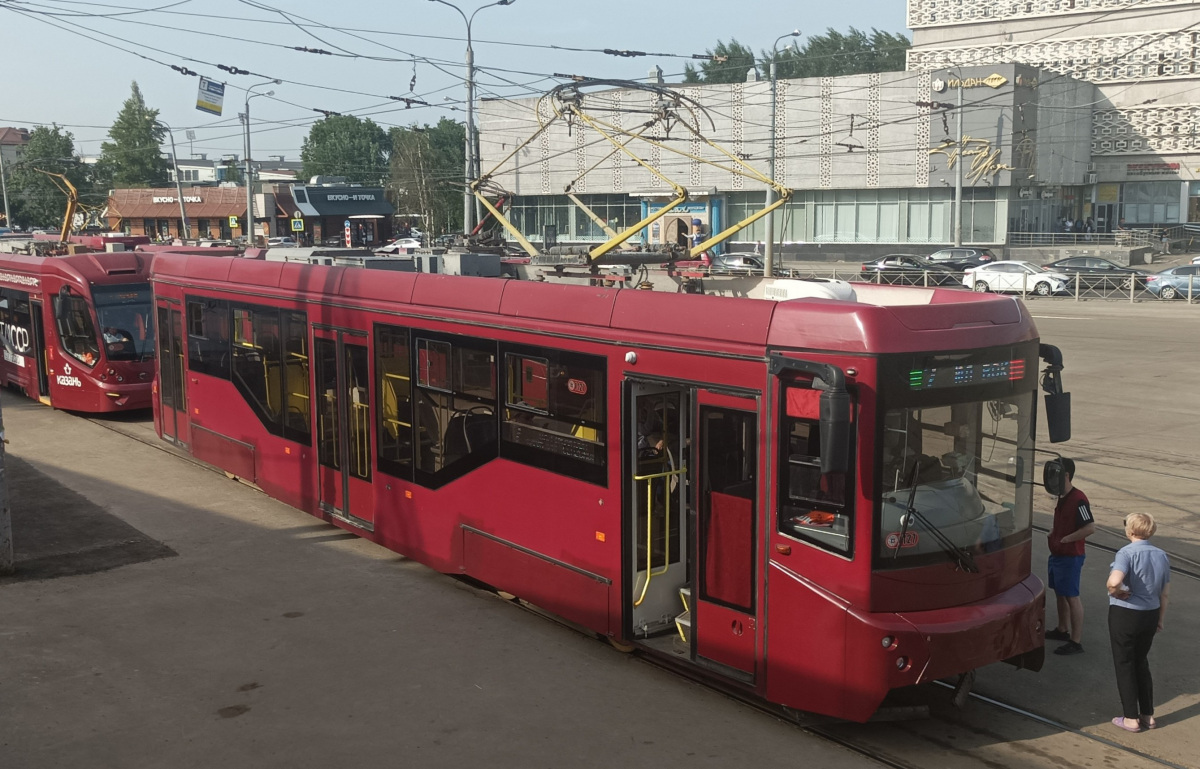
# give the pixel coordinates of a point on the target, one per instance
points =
(1080, 286)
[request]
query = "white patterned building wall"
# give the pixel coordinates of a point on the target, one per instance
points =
(1158, 55)
(932, 13)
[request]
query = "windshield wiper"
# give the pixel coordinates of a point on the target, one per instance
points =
(961, 557)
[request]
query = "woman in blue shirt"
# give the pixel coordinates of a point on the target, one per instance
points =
(1137, 603)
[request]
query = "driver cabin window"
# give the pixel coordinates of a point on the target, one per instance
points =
(814, 506)
(76, 329)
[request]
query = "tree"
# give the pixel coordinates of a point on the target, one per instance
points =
(834, 54)
(427, 173)
(343, 145)
(41, 202)
(134, 156)
(827, 55)
(731, 61)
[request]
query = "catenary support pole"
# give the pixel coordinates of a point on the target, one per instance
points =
(184, 230)
(4, 191)
(958, 168)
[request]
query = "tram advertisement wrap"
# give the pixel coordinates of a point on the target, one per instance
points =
(16, 343)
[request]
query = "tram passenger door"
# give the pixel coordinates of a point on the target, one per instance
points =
(171, 388)
(343, 413)
(657, 420)
(38, 345)
(724, 618)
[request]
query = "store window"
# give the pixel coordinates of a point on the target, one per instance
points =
(1150, 202)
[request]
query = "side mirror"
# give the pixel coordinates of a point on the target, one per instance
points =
(835, 431)
(1054, 477)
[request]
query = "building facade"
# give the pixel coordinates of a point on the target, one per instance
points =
(1143, 56)
(872, 159)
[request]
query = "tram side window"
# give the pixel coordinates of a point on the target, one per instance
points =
(16, 324)
(813, 506)
(455, 407)
(208, 336)
(76, 330)
(297, 403)
(394, 388)
(554, 412)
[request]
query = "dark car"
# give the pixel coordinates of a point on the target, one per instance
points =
(910, 270)
(1095, 273)
(958, 258)
(1176, 282)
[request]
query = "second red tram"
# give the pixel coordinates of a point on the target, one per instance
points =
(77, 330)
(815, 501)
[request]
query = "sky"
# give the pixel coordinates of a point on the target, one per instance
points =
(63, 59)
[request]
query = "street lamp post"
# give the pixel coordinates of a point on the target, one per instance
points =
(769, 250)
(184, 230)
(248, 227)
(4, 191)
(472, 143)
(958, 171)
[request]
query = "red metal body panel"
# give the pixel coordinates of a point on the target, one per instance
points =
(70, 384)
(814, 640)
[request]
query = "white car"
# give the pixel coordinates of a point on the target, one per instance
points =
(399, 246)
(286, 240)
(1196, 260)
(1021, 277)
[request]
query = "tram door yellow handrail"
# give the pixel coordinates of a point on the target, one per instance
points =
(650, 572)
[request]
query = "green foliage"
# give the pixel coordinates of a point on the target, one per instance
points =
(834, 54)
(427, 173)
(732, 61)
(35, 198)
(134, 156)
(343, 145)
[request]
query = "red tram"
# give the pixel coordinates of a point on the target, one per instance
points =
(815, 501)
(77, 330)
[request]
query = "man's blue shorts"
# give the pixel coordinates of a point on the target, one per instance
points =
(1064, 571)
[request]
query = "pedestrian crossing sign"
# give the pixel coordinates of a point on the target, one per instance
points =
(297, 225)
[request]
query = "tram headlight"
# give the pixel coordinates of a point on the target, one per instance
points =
(888, 641)
(120, 378)
(901, 663)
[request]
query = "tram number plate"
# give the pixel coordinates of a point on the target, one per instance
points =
(911, 538)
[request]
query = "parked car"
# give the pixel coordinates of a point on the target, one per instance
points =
(1093, 272)
(961, 258)
(399, 246)
(740, 264)
(1196, 260)
(1173, 283)
(286, 240)
(910, 270)
(1022, 277)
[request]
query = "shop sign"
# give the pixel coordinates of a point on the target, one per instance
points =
(1025, 193)
(186, 199)
(1027, 82)
(985, 161)
(1107, 193)
(991, 81)
(1151, 169)
(356, 197)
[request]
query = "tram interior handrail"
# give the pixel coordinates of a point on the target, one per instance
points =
(650, 572)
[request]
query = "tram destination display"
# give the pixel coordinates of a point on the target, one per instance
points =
(965, 374)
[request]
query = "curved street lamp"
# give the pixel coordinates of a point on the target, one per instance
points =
(472, 143)
(248, 226)
(769, 250)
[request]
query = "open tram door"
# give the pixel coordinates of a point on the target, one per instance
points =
(172, 398)
(693, 485)
(341, 400)
(37, 344)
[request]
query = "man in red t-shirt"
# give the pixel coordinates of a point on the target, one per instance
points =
(1072, 525)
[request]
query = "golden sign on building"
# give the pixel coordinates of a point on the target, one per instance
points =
(991, 81)
(985, 161)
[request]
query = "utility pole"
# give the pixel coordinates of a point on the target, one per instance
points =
(184, 230)
(4, 190)
(958, 165)
(7, 564)
(769, 250)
